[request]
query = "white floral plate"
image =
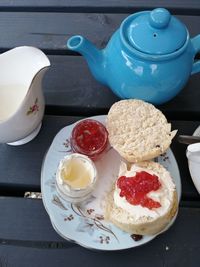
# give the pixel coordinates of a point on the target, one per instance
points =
(85, 224)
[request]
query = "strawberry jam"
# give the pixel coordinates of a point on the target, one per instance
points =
(136, 188)
(89, 137)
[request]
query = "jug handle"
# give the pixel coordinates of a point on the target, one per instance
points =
(196, 45)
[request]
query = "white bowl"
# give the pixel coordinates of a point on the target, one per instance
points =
(193, 155)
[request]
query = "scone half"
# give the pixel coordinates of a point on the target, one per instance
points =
(137, 130)
(141, 220)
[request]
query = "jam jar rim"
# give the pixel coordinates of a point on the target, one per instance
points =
(76, 148)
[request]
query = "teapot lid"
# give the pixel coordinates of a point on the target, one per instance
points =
(154, 32)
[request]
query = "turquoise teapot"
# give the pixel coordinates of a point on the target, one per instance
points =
(150, 57)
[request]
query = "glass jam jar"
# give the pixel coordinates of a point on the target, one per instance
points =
(89, 137)
(76, 177)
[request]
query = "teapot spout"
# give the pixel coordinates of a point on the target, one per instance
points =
(93, 56)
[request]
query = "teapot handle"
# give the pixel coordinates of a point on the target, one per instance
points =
(196, 45)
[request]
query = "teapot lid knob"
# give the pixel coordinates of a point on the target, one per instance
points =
(159, 18)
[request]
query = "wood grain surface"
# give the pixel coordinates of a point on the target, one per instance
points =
(39, 28)
(36, 244)
(191, 7)
(27, 237)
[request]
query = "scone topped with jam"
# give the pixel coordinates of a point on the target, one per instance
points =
(143, 200)
(138, 130)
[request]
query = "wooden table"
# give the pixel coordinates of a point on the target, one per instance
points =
(26, 234)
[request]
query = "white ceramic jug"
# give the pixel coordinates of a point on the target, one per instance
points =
(21, 97)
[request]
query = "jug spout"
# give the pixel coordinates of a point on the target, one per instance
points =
(32, 58)
(93, 56)
(21, 65)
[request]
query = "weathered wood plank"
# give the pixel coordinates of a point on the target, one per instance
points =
(28, 158)
(28, 239)
(26, 220)
(39, 29)
(70, 89)
(21, 166)
(70, 85)
(179, 6)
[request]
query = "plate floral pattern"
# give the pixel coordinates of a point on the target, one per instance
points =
(85, 224)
